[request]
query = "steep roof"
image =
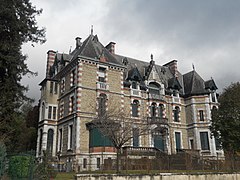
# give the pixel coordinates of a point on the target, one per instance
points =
(93, 48)
(210, 84)
(193, 84)
(188, 84)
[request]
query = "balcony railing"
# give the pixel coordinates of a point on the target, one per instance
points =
(102, 85)
(158, 120)
(135, 92)
(157, 96)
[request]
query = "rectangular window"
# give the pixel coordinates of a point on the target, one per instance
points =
(98, 162)
(60, 140)
(62, 86)
(61, 113)
(51, 87)
(204, 140)
(176, 114)
(178, 141)
(71, 104)
(56, 88)
(49, 112)
(84, 163)
(135, 137)
(191, 144)
(54, 115)
(213, 97)
(101, 74)
(70, 136)
(134, 110)
(72, 80)
(201, 115)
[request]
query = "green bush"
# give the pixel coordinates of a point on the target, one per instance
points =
(19, 166)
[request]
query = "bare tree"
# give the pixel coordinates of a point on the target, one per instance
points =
(116, 125)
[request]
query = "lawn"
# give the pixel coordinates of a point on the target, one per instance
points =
(65, 175)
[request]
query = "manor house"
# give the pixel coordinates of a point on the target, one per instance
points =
(94, 76)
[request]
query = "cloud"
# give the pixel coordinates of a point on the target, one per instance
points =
(203, 33)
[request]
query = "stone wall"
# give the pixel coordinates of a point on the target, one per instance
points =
(162, 176)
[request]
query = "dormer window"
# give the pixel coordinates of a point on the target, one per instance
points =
(175, 93)
(154, 90)
(134, 85)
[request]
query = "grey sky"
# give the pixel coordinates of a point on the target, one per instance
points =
(204, 33)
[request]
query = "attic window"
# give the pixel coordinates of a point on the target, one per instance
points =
(125, 61)
(134, 85)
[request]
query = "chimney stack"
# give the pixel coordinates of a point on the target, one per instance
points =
(111, 47)
(78, 42)
(50, 60)
(172, 65)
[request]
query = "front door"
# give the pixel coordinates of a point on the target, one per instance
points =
(159, 142)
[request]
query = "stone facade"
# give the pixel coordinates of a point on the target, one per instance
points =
(70, 99)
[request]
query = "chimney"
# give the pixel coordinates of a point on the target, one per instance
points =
(172, 65)
(111, 47)
(50, 60)
(78, 42)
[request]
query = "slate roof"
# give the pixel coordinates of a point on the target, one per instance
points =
(93, 48)
(194, 84)
(210, 84)
(188, 84)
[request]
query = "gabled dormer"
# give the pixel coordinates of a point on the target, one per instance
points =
(151, 73)
(211, 87)
(174, 88)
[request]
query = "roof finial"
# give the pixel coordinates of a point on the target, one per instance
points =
(70, 50)
(193, 67)
(151, 57)
(91, 29)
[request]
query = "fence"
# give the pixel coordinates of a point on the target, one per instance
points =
(160, 162)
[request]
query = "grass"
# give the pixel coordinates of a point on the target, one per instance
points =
(65, 176)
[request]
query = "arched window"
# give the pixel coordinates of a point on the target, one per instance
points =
(50, 141)
(102, 104)
(176, 114)
(135, 108)
(153, 109)
(161, 109)
(40, 142)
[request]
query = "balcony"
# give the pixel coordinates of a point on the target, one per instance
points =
(158, 120)
(102, 86)
(157, 97)
(135, 92)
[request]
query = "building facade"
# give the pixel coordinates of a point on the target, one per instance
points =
(93, 75)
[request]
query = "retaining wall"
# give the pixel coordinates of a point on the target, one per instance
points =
(161, 176)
